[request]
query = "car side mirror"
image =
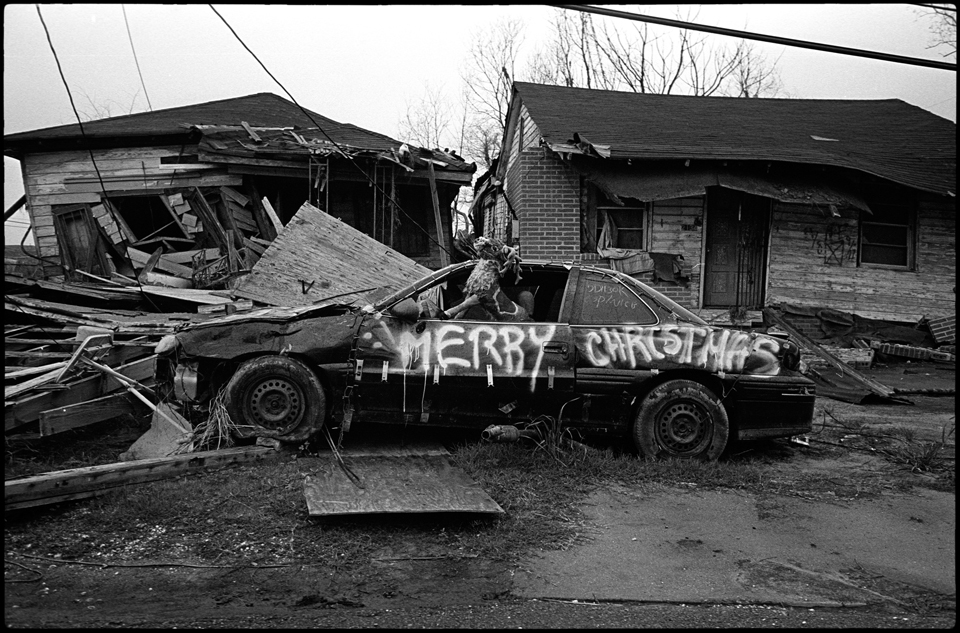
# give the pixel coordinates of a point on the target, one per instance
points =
(406, 310)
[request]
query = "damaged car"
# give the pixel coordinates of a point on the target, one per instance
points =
(472, 345)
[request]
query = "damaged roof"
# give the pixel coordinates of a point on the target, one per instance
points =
(887, 138)
(215, 120)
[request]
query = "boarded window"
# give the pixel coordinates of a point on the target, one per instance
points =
(887, 236)
(603, 300)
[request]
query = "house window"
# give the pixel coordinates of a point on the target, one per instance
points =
(606, 224)
(887, 235)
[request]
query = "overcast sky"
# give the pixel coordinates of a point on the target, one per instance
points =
(365, 64)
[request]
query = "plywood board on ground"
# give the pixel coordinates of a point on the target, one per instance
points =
(317, 257)
(408, 480)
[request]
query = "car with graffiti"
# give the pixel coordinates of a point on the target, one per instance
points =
(601, 352)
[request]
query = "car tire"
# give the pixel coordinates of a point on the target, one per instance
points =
(275, 397)
(681, 419)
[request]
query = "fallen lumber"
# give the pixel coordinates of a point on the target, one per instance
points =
(81, 483)
(28, 409)
(808, 344)
(82, 414)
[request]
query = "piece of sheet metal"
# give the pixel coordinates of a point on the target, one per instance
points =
(390, 479)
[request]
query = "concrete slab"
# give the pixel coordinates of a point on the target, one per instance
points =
(682, 546)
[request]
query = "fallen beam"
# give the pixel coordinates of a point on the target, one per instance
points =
(82, 483)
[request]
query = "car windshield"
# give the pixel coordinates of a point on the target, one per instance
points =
(420, 284)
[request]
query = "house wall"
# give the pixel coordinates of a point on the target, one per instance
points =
(55, 178)
(804, 267)
(803, 242)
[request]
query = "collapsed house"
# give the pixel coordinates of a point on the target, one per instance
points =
(731, 205)
(191, 197)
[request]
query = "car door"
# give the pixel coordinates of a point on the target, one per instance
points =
(608, 320)
(466, 372)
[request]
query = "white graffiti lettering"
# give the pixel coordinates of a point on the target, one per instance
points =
(510, 349)
(632, 347)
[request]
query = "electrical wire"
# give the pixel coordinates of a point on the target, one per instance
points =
(83, 134)
(337, 145)
(771, 39)
(136, 61)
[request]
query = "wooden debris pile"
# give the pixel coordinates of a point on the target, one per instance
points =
(67, 366)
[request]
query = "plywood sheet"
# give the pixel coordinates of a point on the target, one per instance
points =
(317, 257)
(393, 481)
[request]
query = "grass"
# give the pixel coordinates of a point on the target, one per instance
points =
(257, 514)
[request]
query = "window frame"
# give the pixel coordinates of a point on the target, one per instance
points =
(595, 206)
(901, 204)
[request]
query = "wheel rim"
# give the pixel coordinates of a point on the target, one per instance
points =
(276, 404)
(683, 428)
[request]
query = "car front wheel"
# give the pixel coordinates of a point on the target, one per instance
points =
(277, 397)
(683, 419)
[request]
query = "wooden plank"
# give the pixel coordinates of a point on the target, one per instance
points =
(82, 414)
(444, 256)
(13, 373)
(423, 480)
(159, 279)
(250, 132)
(162, 262)
(80, 483)
(186, 257)
(223, 308)
(28, 409)
(15, 390)
(253, 246)
(236, 196)
(810, 345)
(317, 247)
(268, 208)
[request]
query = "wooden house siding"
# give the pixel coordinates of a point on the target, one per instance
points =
(813, 262)
(58, 178)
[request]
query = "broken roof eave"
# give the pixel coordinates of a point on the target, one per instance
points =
(568, 150)
(664, 183)
(18, 148)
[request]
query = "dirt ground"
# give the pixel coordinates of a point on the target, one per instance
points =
(824, 568)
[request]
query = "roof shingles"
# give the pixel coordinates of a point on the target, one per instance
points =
(887, 138)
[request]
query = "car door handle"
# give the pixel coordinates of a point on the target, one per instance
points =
(553, 347)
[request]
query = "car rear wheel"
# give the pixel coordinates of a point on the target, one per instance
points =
(683, 419)
(277, 397)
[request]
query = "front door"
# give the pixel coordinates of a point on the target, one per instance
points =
(735, 266)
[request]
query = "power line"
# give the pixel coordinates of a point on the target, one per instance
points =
(136, 61)
(772, 39)
(337, 145)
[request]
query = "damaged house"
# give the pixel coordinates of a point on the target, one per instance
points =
(191, 197)
(729, 205)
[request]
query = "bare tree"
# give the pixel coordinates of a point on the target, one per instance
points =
(614, 56)
(105, 109)
(488, 80)
(427, 122)
(606, 55)
(943, 27)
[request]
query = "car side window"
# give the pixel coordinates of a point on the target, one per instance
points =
(605, 300)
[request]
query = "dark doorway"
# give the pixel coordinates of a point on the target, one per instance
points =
(737, 235)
